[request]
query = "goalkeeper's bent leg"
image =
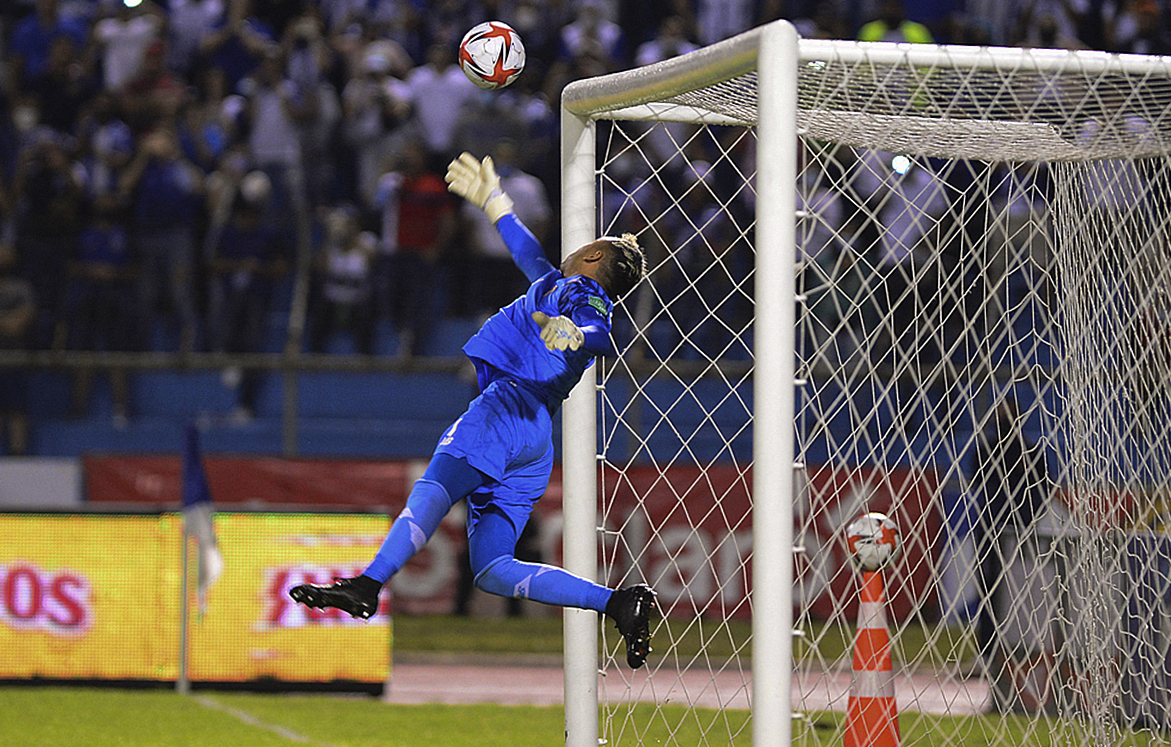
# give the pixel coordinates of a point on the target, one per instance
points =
(492, 545)
(426, 507)
(445, 482)
(508, 577)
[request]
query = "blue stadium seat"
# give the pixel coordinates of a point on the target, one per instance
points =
(371, 396)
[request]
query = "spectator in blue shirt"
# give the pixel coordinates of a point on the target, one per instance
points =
(164, 193)
(33, 35)
(239, 42)
(101, 311)
(247, 262)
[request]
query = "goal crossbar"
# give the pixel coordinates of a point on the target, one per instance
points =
(934, 107)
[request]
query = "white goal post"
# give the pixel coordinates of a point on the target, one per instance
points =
(924, 280)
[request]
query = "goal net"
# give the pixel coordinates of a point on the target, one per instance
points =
(979, 304)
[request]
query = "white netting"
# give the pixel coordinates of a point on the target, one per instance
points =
(984, 350)
(677, 418)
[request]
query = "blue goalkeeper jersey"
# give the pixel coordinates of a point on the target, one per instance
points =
(509, 344)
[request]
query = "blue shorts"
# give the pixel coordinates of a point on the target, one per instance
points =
(506, 433)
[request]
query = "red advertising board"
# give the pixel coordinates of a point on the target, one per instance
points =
(693, 534)
(345, 483)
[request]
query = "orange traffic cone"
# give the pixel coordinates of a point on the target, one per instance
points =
(872, 718)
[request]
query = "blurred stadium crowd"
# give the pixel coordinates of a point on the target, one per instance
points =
(170, 170)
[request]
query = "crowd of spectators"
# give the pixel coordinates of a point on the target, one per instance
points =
(160, 161)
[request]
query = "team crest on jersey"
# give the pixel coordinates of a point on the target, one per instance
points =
(599, 304)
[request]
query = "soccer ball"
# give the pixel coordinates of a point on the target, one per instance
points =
(874, 541)
(492, 55)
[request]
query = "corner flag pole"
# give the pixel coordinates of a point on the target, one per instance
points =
(198, 523)
(182, 683)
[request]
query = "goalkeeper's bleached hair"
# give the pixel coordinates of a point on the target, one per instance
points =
(625, 265)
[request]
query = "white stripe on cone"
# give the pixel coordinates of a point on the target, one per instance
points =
(874, 684)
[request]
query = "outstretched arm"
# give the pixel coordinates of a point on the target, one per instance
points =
(477, 182)
(526, 251)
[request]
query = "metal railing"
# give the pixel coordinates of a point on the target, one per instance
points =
(291, 364)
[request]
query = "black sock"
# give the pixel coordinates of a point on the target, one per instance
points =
(612, 604)
(367, 585)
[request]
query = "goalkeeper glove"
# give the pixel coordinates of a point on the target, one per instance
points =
(559, 332)
(477, 182)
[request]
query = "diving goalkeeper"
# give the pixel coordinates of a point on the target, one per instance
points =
(499, 453)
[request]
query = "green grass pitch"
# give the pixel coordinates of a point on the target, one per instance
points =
(43, 716)
(101, 717)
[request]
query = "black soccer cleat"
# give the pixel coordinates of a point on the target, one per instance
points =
(631, 609)
(357, 596)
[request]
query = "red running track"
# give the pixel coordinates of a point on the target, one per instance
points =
(511, 684)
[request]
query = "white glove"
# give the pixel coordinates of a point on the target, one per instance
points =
(559, 332)
(477, 182)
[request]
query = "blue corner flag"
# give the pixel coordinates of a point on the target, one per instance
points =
(197, 517)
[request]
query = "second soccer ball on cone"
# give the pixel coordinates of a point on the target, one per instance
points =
(874, 541)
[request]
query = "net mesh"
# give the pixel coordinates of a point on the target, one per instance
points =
(984, 345)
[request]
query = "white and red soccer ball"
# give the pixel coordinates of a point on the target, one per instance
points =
(492, 55)
(874, 541)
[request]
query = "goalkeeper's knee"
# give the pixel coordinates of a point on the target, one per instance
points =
(499, 577)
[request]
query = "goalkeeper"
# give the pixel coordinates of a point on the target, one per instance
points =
(499, 453)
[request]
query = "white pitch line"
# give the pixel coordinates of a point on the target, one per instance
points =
(248, 718)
